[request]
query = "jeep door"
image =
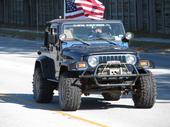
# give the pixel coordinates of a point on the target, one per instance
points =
(54, 46)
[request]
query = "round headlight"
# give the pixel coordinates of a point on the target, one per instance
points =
(131, 59)
(93, 61)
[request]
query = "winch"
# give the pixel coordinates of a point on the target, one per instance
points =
(113, 68)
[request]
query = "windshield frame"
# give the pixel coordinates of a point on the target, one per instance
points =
(92, 22)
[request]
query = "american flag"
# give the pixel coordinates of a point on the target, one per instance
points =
(72, 11)
(84, 8)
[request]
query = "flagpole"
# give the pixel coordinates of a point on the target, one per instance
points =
(64, 9)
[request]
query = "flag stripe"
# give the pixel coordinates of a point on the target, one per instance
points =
(93, 10)
(94, 13)
(86, 3)
(90, 6)
(75, 16)
(75, 13)
(96, 2)
(91, 14)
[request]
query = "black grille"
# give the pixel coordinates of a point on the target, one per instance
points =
(104, 59)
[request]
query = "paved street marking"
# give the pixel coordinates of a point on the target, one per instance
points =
(82, 119)
(58, 112)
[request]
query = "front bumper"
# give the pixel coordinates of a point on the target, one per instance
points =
(112, 80)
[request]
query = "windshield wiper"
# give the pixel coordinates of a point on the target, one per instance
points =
(82, 41)
(110, 42)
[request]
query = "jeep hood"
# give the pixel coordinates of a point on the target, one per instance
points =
(79, 51)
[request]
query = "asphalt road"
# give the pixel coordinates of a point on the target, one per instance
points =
(18, 109)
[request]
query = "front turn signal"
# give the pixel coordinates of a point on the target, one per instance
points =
(81, 65)
(146, 64)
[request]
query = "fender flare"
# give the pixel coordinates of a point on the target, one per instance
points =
(47, 66)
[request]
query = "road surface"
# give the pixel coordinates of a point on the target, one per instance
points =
(18, 109)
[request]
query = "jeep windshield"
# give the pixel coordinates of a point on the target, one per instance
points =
(94, 31)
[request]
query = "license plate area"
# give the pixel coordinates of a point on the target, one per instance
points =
(115, 73)
(113, 68)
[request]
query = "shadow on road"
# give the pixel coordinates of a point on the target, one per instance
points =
(27, 101)
(88, 103)
(96, 103)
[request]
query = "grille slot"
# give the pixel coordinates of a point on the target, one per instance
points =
(104, 59)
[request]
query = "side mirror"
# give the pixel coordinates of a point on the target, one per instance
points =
(62, 37)
(129, 36)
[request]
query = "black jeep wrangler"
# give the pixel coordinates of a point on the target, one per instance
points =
(88, 56)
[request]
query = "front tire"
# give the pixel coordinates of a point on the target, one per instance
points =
(144, 94)
(69, 93)
(43, 92)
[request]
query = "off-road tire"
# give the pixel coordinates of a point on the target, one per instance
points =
(43, 92)
(111, 97)
(69, 93)
(144, 94)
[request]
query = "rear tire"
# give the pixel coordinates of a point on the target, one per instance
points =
(144, 94)
(43, 92)
(69, 94)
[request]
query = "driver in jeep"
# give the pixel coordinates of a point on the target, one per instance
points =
(100, 32)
